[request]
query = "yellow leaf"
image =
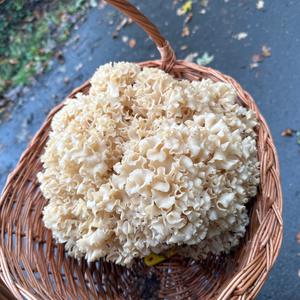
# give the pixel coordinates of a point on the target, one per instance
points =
(154, 259)
(185, 8)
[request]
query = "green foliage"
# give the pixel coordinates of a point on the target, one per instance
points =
(29, 32)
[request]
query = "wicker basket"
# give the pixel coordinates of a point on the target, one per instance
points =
(33, 266)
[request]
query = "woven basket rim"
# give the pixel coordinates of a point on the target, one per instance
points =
(264, 247)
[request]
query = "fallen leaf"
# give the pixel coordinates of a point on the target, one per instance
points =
(118, 28)
(185, 31)
(184, 47)
(188, 18)
(185, 8)
(266, 51)
(260, 4)
(256, 58)
(205, 59)
(191, 56)
(253, 65)
(132, 43)
(298, 237)
(240, 36)
(288, 132)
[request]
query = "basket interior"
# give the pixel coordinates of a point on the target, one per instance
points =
(40, 268)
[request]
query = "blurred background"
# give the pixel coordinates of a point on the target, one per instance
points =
(47, 48)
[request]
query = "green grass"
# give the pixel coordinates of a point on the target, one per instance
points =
(30, 31)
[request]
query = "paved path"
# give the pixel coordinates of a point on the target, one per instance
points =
(275, 85)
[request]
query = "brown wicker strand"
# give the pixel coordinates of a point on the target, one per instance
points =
(168, 58)
(167, 54)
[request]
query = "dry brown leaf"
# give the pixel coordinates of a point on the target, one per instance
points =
(258, 58)
(132, 43)
(288, 132)
(298, 237)
(188, 18)
(185, 31)
(266, 51)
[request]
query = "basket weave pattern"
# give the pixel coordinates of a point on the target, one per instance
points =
(34, 266)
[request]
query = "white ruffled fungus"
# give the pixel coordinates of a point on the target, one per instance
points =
(145, 162)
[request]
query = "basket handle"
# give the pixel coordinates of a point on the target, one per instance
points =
(168, 57)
